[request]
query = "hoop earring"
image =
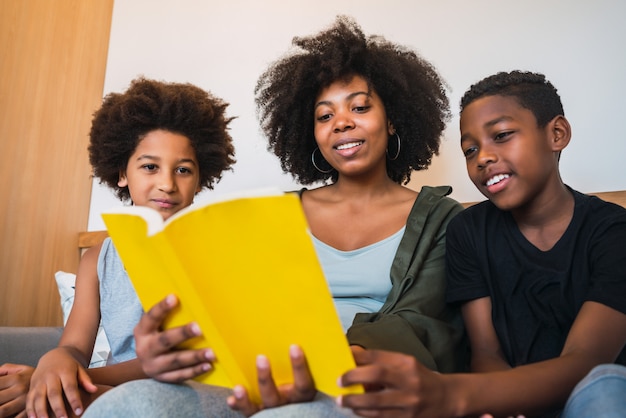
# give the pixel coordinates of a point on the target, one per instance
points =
(315, 165)
(395, 157)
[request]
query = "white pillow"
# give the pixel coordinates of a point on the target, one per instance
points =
(65, 283)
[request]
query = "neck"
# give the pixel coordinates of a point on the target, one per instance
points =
(363, 188)
(555, 205)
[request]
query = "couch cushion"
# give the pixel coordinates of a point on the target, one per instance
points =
(25, 345)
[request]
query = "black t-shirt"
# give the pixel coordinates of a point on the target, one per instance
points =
(536, 294)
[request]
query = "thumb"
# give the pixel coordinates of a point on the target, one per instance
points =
(85, 381)
(9, 368)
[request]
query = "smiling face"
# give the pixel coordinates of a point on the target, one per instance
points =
(510, 159)
(351, 127)
(162, 173)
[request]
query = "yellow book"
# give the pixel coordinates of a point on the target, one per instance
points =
(246, 271)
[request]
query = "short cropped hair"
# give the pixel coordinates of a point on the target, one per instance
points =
(181, 108)
(413, 93)
(531, 90)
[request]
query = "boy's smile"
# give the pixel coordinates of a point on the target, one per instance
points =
(509, 157)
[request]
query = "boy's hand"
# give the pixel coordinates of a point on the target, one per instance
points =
(156, 349)
(301, 390)
(396, 385)
(57, 378)
(14, 384)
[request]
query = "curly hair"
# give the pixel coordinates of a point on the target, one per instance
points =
(531, 90)
(125, 118)
(413, 93)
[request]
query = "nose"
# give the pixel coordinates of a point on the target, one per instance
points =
(167, 182)
(343, 121)
(486, 156)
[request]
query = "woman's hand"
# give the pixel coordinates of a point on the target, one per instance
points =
(156, 349)
(301, 390)
(14, 384)
(59, 377)
(396, 385)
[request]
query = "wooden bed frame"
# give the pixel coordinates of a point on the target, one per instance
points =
(90, 238)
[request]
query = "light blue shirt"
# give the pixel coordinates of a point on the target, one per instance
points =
(120, 309)
(359, 280)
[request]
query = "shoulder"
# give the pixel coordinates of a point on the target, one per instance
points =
(92, 254)
(433, 209)
(435, 201)
(598, 215)
(106, 249)
(109, 261)
(598, 206)
(87, 268)
(95, 257)
(317, 194)
(478, 217)
(298, 192)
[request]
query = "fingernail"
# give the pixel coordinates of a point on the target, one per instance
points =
(295, 351)
(170, 300)
(195, 328)
(262, 362)
(239, 392)
(206, 366)
(78, 411)
(339, 382)
(209, 354)
(339, 400)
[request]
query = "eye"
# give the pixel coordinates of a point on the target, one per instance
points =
(149, 167)
(361, 109)
(469, 151)
(183, 170)
(324, 117)
(502, 136)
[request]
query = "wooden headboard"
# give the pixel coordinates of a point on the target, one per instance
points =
(617, 197)
(91, 238)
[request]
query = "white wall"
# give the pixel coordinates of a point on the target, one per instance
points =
(223, 46)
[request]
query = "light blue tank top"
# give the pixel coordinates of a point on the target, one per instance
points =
(120, 308)
(359, 280)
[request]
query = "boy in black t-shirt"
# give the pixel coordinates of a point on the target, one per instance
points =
(539, 270)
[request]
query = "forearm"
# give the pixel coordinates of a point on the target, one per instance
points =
(488, 363)
(391, 333)
(523, 390)
(117, 374)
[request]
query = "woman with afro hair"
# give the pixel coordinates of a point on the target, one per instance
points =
(354, 115)
(157, 145)
(360, 114)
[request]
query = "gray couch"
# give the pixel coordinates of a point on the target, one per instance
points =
(25, 345)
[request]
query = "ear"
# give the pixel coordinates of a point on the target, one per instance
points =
(390, 129)
(559, 133)
(123, 181)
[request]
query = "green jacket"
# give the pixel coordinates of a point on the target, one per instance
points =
(415, 318)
